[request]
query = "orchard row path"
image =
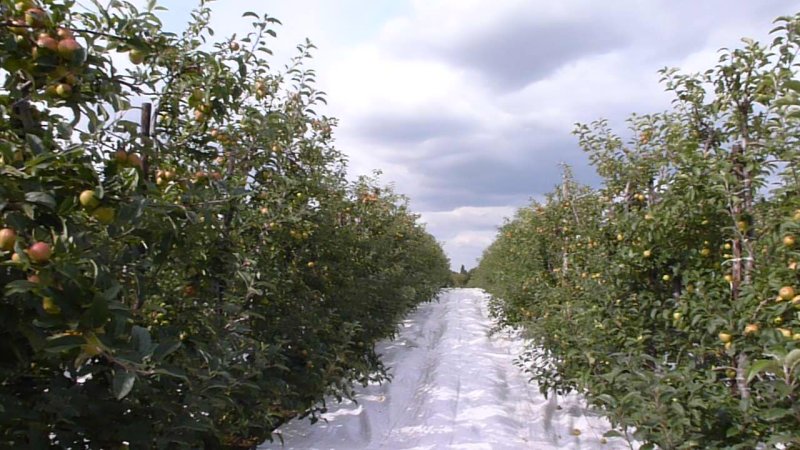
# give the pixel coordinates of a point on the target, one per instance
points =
(454, 386)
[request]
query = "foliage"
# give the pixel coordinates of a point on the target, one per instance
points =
(669, 295)
(197, 277)
(461, 278)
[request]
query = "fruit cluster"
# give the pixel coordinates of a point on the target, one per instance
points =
(55, 54)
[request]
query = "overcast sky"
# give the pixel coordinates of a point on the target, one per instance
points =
(467, 106)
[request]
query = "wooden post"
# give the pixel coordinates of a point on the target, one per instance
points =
(147, 111)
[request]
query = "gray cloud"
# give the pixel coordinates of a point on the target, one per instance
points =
(509, 175)
(407, 127)
(522, 51)
(470, 104)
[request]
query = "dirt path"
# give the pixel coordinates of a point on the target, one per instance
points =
(454, 387)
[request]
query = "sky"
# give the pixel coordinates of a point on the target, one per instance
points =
(467, 106)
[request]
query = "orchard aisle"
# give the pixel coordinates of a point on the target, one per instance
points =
(453, 387)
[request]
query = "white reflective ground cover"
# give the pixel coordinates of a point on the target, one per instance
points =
(454, 387)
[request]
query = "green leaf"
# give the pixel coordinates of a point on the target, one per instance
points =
(62, 343)
(775, 413)
(763, 365)
(41, 198)
(164, 349)
(141, 340)
(792, 360)
(123, 383)
(19, 287)
(793, 85)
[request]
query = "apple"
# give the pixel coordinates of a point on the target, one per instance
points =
(647, 253)
(35, 17)
(788, 240)
(88, 199)
(725, 337)
(121, 157)
(666, 278)
(729, 278)
(49, 306)
(234, 46)
(751, 328)
(677, 316)
(48, 42)
(34, 278)
(648, 216)
(63, 90)
(311, 264)
(741, 226)
(7, 239)
(704, 252)
(136, 56)
(71, 79)
(796, 300)
(64, 33)
(727, 246)
(135, 160)
(40, 252)
(778, 320)
(620, 237)
(785, 332)
(68, 47)
(200, 115)
(16, 259)
(104, 215)
(786, 293)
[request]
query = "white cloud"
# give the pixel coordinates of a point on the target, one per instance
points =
(467, 105)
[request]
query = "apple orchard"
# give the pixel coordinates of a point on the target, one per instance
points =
(193, 271)
(670, 295)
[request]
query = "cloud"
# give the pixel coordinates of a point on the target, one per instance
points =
(465, 231)
(410, 128)
(470, 104)
(508, 45)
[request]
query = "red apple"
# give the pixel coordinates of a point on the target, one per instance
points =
(48, 42)
(68, 47)
(64, 33)
(35, 17)
(40, 252)
(121, 157)
(135, 160)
